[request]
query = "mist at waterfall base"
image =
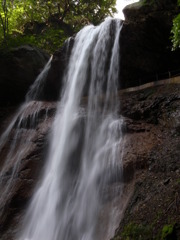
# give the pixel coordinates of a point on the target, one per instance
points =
(85, 153)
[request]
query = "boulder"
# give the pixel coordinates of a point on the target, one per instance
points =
(135, 11)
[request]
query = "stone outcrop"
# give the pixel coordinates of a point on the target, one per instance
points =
(145, 43)
(19, 68)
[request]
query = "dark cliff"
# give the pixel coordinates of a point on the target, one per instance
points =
(18, 69)
(145, 51)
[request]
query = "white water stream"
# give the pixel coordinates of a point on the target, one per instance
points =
(21, 125)
(84, 155)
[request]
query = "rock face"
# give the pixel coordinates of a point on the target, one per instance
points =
(145, 43)
(19, 68)
(151, 160)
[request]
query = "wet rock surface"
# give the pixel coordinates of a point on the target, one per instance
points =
(151, 162)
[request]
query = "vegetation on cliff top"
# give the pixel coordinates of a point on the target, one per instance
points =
(47, 23)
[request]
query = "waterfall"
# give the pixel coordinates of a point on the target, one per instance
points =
(32, 94)
(85, 145)
(23, 123)
(36, 88)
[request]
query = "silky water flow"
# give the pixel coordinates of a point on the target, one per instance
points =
(85, 155)
(22, 124)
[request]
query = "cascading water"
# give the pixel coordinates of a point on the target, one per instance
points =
(85, 151)
(23, 123)
(30, 96)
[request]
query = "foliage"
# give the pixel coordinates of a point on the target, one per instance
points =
(176, 31)
(137, 232)
(167, 232)
(15, 15)
(134, 231)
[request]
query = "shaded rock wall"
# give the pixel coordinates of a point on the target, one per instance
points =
(145, 43)
(18, 69)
